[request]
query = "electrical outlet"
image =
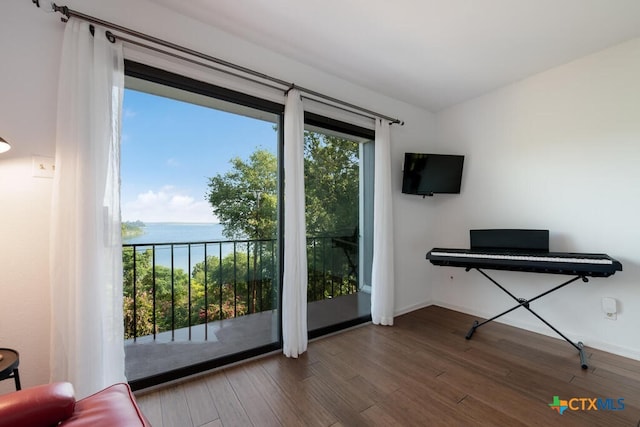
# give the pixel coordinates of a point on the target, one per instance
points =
(42, 166)
(610, 308)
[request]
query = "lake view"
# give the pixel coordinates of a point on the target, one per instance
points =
(183, 233)
(176, 232)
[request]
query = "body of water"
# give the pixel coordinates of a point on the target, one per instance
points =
(186, 251)
(176, 232)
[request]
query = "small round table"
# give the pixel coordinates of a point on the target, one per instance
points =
(9, 365)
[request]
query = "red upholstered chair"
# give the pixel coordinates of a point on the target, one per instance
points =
(55, 405)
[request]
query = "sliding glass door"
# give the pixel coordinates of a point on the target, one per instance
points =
(200, 207)
(338, 179)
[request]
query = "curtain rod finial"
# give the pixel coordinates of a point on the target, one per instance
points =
(293, 86)
(61, 9)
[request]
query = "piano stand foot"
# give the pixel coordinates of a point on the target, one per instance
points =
(583, 358)
(472, 330)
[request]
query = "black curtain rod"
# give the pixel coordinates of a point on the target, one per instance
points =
(286, 86)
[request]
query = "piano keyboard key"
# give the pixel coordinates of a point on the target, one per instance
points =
(541, 258)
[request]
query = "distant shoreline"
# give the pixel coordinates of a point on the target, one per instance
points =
(172, 232)
(172, 222)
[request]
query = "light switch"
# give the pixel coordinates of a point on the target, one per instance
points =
(43, 167)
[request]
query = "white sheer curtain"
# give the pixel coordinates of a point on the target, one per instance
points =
(87, 331)
(294, 292)
(382, 271)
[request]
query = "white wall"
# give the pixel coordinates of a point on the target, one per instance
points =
(557, 151)
(30, 42)
(29, 45)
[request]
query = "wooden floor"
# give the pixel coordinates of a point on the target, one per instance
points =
(419, 372)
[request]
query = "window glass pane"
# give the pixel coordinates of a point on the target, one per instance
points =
(335, 215)
(201, 205)
(199, 202)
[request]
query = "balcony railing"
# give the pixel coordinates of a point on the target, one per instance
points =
(170, 286)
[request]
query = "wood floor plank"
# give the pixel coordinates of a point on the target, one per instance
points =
(278, 401)
(228, 406)
(600, 381)
(413, 410)
(175, 410)
(338, 365)
(151, 407)
(290, 376)
(615, 367)
(367, 389)
(538, 386)
(610, 390)
(375, 416)
(334, 403)
(622, 365)
(502, 397)
(487, 415)
(418, 371)
(200, 402)
(256, 407)
(341, 388)
(422, 371)
(371, 370)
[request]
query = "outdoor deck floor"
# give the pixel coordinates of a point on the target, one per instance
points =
(147, 357)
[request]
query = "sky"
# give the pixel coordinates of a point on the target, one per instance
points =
(170, 148)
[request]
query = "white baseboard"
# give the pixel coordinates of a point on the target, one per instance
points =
(413, 307)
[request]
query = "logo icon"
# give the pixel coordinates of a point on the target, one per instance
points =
(586, 404)
(559, 405)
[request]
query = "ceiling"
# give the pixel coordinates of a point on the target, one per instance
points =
(429, 53)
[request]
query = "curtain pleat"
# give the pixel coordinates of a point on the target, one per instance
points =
(294, 292)
(87, 331)
(382, 271)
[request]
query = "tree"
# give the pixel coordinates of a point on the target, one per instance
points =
(179, 302)
(131, 229)
(245, 198)
(167, 289)
(331, 184)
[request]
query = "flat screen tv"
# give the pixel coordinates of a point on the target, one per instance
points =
(429, 174)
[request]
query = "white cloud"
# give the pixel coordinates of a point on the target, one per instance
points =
(169, 204)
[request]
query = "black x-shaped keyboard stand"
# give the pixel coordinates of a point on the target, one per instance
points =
(525, 304)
